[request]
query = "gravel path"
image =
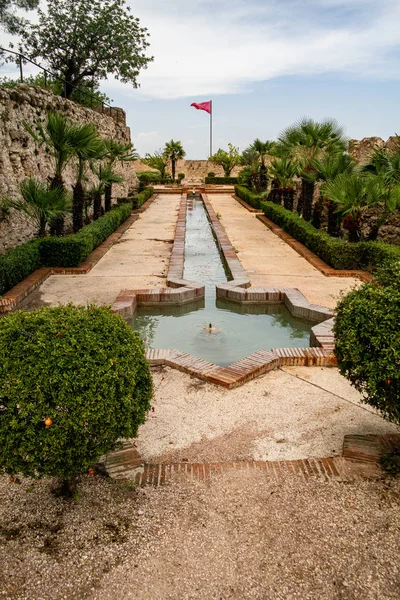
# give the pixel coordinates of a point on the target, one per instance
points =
(240, 536)
(298, 412)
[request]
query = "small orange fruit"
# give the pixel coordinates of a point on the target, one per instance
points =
(91, 472)
(48, 422)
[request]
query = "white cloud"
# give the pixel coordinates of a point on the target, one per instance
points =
(147, 141)
(221, 47)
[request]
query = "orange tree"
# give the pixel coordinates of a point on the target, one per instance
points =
(76, 381)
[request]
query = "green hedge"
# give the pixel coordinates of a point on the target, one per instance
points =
(140, 199)
(244, 194)
(338, 253)
(222, 180)
(18, 263)
(72, 250)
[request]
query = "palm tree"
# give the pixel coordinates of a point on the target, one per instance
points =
(56, 136)
(87, 146)
(348, 192)
(106, 176)
(121, 151)
(327, 170)
(263, 149)
(40, 203)
(250, 161)
(306, 141)
(173, 151)
(284, 171)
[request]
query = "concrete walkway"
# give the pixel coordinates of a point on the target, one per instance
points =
(269, 261)
(138, 260)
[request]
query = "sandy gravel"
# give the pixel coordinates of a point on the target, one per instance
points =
(294, 413)
(240, 536)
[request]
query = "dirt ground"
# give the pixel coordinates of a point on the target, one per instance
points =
(240, 536)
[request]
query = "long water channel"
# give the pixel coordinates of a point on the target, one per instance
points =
(236, 330)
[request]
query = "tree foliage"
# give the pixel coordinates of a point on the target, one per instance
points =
(8, 19)
(88, 40)
(368, 341)
(157, 161)
(76, 381)
(227, 159)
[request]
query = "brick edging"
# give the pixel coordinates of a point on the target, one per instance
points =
(312, 258)
(127, 464)
(11, 299)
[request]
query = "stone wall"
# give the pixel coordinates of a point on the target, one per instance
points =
(362, 150)
(21, 158)
(196, 170)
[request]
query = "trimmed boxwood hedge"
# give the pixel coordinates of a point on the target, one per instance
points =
(140, 199)
(72, 250)
(222, 180)
(337, 253)
(244, 194)
(17, 263)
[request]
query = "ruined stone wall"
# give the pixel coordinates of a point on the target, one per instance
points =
(196, 170)
(362, 150)
(20, 157)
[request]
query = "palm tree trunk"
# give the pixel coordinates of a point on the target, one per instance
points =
(263, 178)
(333, 221)
(57, 224)
(78, 201)
(96, 206)
(173, 167)
(288, 198)
(107, 197)
(317, 213)
(308, 195)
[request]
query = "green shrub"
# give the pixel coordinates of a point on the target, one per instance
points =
(140, 199)
(148, 177)
(222, 180)
(17, 263)
(244, 194)
(211, 174)
(81, 367)
(180, 177)
(72, 250)
(337, 253)
(368, 343)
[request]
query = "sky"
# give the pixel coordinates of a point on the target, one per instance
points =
(264, 64)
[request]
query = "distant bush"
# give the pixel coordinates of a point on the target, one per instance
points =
(148, 177)
(17, 263)
(222, 180)
(368, 341)
(76, 381)
(244, 194)
(211, 174)
(72, 250)
(338, 253)
(180, 177)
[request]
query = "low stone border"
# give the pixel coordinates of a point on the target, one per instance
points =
(127, 464)
(312, 258)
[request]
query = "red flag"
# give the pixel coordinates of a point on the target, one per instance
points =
(202, 106)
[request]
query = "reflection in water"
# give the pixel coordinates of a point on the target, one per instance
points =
(237, 330)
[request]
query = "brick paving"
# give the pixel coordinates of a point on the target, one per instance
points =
(127, 464)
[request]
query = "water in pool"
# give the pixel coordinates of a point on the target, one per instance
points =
(236, 330)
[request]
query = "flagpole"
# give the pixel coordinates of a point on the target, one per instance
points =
(210, 127)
